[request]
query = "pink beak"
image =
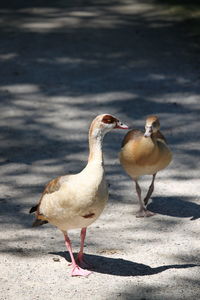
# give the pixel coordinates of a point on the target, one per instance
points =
(120, 125)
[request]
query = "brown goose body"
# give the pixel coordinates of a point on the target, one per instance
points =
(145, 154)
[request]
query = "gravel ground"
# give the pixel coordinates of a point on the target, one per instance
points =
(61, 65)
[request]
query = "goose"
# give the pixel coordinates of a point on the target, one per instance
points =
(76, 201)
(145, 154)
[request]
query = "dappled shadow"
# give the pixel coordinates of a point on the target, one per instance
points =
(64, 62)
(175, 207)
(87, 47)
(182, 3)
(122, 267)
(76, 59)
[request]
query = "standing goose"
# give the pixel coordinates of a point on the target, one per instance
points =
(145, 154)
(76, 201)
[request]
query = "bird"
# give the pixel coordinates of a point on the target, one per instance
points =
(145, 154)
(75, 201)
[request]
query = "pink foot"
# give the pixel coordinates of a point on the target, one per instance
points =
(77, 271)
(144, 213)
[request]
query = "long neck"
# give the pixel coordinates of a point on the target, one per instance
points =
(95, 147)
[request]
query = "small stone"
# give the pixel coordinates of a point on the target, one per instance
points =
(56, 259)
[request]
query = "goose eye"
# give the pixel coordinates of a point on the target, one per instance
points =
(108, 119)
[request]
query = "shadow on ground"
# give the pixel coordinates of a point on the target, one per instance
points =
(175, 207)
(122, 267)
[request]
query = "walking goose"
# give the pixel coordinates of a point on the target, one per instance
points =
(145, 154)
(76, 201)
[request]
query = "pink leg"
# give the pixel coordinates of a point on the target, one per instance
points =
(143, 212)
(150, 191)
(76, 271)
(80, 259)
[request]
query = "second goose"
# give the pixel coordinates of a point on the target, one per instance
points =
(145, 154)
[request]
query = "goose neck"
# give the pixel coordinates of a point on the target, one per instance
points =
(95, 148)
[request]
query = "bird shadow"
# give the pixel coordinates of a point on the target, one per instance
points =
(175, 207)
(122, 267)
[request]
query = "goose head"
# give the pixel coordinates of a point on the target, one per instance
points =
(152, 125)
(105, 123)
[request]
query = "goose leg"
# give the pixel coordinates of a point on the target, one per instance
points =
(80, 259)
(76, 270)
(143, 212)
(150, 191)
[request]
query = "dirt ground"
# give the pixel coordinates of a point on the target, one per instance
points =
(62, 63)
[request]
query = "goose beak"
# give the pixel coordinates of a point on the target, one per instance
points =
(148, 131)
(120, 125)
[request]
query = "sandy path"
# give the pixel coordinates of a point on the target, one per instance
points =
(60, 66)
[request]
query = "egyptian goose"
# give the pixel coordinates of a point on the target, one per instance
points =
(76, 201)
(145, 154)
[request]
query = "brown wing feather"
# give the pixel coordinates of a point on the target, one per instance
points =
(51, 187)
(161, 137)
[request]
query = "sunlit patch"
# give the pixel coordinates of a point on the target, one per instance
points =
(21, 88)
(8, 56)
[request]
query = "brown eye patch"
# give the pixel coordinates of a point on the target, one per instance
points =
(108, 119)
(156, 123)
